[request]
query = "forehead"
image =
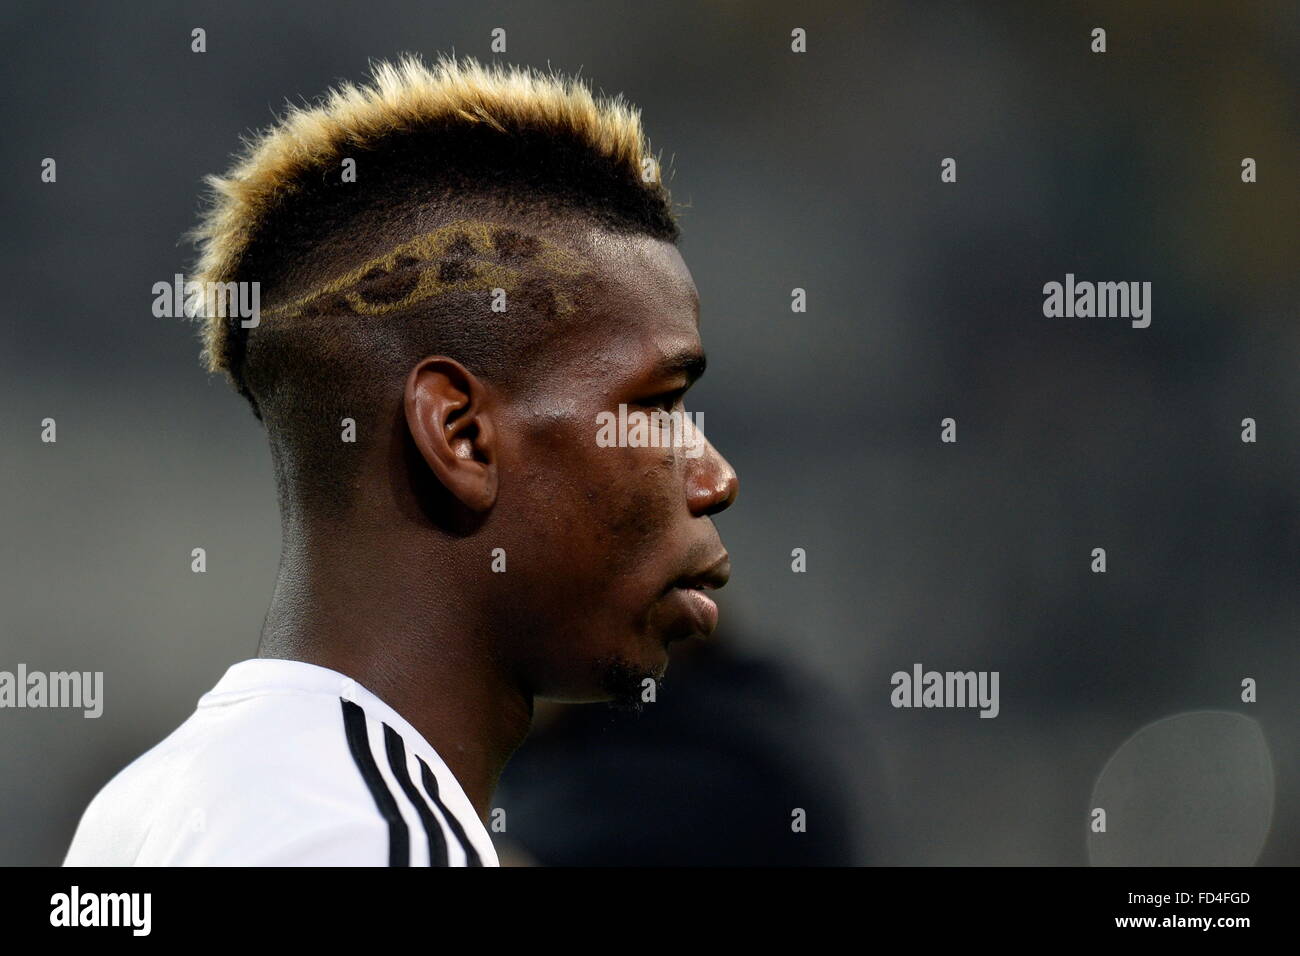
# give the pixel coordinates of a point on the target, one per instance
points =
(642, 308)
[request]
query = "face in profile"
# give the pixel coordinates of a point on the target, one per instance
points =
(617, 552)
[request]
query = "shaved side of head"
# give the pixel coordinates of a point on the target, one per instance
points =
(460, 233)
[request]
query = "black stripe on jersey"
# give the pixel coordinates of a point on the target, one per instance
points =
(397, 761)
(399, 839)
(431, 785)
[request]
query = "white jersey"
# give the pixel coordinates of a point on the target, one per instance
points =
(285, 763)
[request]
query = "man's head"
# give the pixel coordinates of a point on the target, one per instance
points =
(471, 266)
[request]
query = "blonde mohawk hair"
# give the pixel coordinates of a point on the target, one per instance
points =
(453, 98)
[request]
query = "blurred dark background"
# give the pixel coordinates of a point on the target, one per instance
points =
(818, 171)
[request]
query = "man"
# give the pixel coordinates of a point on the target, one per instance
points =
(463, 271)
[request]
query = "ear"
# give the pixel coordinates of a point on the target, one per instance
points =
(449, 416)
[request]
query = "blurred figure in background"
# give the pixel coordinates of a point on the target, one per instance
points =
(712, 772)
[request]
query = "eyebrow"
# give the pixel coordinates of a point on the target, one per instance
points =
(691, 364)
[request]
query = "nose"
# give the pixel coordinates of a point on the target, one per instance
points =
(711, 483)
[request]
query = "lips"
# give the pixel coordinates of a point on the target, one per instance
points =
(690, 590)
(708, 578)
(700, 608)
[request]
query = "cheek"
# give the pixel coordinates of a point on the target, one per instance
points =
(636, 511)
(600, 513)
(615, 508)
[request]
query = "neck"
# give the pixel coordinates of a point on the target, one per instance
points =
(423, 650)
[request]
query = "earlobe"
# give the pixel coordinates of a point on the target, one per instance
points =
(448, 413)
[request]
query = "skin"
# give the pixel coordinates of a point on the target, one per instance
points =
(401, 596)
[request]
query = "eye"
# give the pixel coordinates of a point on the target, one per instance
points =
(666, 401)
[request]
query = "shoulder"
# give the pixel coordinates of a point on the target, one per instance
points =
(285, 777)
(268, 779)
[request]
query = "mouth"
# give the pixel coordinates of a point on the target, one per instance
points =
(691, 592)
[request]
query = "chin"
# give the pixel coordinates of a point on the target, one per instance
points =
(615, 679)
(623, 680)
